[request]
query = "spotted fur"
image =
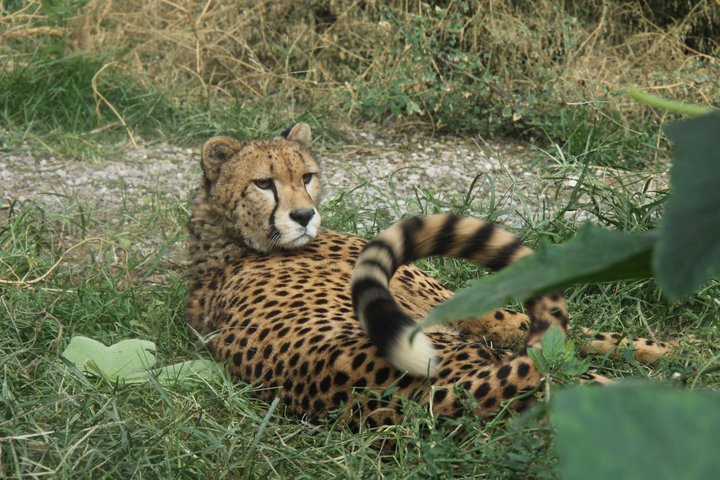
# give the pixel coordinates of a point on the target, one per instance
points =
(271, 292)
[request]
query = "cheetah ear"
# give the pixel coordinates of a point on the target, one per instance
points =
(215, 152)
(300, 133)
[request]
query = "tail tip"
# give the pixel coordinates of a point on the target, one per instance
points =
(414, 355)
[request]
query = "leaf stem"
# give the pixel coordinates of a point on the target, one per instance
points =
(665, 104)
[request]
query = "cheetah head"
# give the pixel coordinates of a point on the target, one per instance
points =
(268, 190)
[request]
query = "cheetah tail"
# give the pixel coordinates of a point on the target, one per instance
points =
(482, 242)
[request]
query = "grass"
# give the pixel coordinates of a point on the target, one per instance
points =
(77, 72)
(54, 421)
(78, 105)
(83, 101)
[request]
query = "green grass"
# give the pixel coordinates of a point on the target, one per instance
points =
(56, 421)
(83, 106)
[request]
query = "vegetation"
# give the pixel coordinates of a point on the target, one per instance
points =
(76, 75)
(536, 70)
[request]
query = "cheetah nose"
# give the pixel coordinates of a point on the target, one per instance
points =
(302, 215)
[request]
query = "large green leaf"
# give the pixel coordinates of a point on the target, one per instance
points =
(688, 252)
(636, 432)
(593, 255)
(131, 361)
(113, 363)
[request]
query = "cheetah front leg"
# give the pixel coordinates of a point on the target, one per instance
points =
(502, 328)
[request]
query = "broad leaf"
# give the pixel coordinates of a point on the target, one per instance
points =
(688, 252)
(177, 372)
(130, 362)
(593, 255)
(537, 356)
(113, 363)
(553, 344)
(636, 432)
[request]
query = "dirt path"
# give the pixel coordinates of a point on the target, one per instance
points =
(379, 169)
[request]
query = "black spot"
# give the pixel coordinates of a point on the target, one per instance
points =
(237, 358)
(439, 396)
(325, 384)
(267, 351)
(405, 381)
(294, 359)
(360, 383)
(482, 390)
(319, 366)
(333, 357)
(304, 368)
(229, 339)
(649, 342)
(318, 405)
(250, 353)
(504, 371)
(462, 356)
(499, 315)
(599, 336)
(540, 326)
(509, 391)
(340, 398)
(340, 379)
(358, 360)
(490, 402)
(382, 375)
(523, 370)
(258, 370)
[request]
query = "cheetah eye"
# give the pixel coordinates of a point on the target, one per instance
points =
(263, 183)
(307, 178)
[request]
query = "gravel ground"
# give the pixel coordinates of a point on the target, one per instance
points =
(382, 169)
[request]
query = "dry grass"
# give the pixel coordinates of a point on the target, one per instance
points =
(517, 60)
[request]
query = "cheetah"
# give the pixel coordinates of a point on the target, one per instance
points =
(323, 319)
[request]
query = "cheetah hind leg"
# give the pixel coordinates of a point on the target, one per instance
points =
(506, 329)
(614, 344)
